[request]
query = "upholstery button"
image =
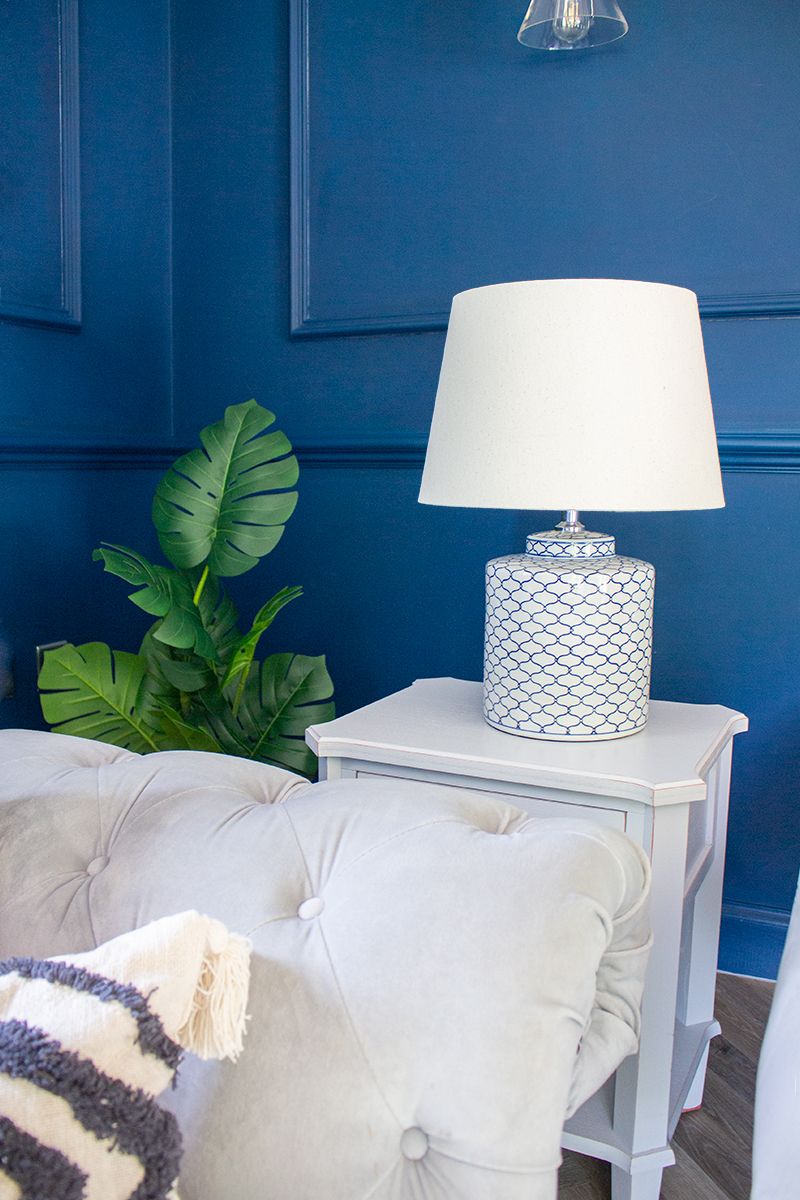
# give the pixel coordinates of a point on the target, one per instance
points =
(414, 1143)
(310, 908)
(96, 865)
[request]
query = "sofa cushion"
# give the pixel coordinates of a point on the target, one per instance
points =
(437, 978)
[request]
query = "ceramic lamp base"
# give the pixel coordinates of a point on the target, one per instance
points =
(569, 627)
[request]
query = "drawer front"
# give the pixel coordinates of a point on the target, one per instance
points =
(537, 806)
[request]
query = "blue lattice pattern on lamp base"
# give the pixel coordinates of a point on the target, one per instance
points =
(557, 544)
(568, 640)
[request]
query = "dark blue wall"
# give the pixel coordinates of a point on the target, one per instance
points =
(428, 152)
(71, 398)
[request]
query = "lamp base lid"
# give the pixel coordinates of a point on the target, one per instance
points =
(557, 543)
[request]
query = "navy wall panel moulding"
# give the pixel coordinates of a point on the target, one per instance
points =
(40, 270)
(305, 318)
(742, 451)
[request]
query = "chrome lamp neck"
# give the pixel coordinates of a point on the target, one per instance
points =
(571, 522)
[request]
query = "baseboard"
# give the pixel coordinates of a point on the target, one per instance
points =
(739, 975)
(751, 940)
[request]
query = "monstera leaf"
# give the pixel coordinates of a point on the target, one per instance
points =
(225, 506)
(186, 675)
(182, 735)
(165, 679)
(244, 651)
(157, 690)
(186, 672)
(168, 676)
(89, 691)
(164, 593)
(218, 614)
(281, 699)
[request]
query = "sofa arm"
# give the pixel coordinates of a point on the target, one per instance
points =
(612, 1032)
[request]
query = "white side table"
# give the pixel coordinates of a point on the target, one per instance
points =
(667, 788)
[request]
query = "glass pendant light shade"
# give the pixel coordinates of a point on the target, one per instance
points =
(571, 24)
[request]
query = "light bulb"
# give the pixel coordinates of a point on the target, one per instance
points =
(571, 24)
(572, 21)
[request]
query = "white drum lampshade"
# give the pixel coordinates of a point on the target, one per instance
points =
(572, 394)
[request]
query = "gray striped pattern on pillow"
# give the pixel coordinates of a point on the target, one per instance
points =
(152, 1037)
(127, 1118)
(37, 1170)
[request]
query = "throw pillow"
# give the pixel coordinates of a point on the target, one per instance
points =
(87, 1042)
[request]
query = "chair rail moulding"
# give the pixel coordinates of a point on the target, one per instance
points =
(303, 321)
(746, 451)
(22, 301)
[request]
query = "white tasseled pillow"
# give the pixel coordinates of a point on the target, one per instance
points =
(88, 1040)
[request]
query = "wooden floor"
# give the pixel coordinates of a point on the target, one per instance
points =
(712, 1146)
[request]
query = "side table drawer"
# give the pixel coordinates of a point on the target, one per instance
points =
(537, 806)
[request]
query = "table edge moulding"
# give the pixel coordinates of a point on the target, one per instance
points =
(426, 723)
(667, 788)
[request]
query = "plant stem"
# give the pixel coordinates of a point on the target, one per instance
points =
(198, 591)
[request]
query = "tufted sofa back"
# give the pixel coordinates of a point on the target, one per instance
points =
(437, 979)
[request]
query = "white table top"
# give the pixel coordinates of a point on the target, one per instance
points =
(437, 724)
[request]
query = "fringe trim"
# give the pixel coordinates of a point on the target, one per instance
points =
(216, 1022)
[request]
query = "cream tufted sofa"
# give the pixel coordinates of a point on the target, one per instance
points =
(438, 979)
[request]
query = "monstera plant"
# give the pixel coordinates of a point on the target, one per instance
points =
(195, 682)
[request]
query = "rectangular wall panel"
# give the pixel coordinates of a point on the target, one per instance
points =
(39, 163)
(432, 153)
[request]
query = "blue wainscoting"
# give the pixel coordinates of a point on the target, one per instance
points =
(278, 200)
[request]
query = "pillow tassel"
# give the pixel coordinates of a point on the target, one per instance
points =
(216, 1022)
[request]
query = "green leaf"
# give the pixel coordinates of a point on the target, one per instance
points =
(281, 699)
(169, 727)
(226, 505)
(163, 593)
(90, 691)
(190, 675)
(214, 712)
(172, 675)
(181, 735)
(218, 614)
(157, 691)
(245, 648)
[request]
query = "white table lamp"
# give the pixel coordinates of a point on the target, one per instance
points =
(572, 394)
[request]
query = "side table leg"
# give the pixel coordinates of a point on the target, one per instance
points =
(329, 768)
(644, 1186)
(694, 1099)
(701, 939)
(642, 1084)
